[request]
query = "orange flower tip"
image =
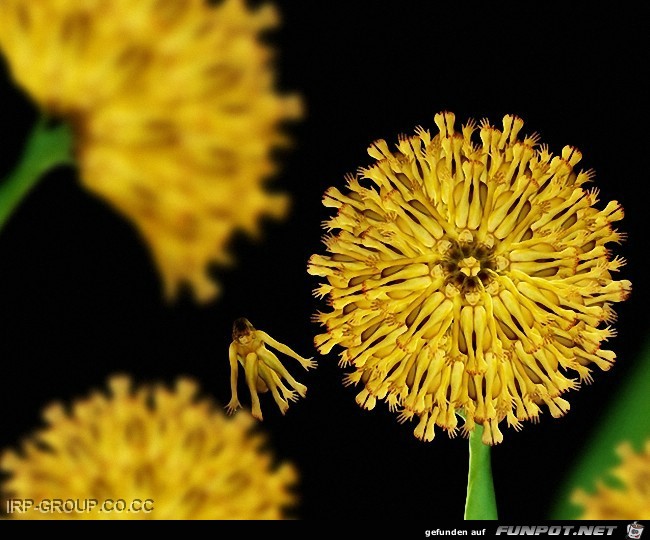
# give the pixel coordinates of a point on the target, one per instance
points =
(366, 400)
(321, 339)
(444, 120)
(421, 431)
(418, 432)
(491, 434)
(580, 497)
(9, 460)
(626, 289)
(379, 150)
(119, 385)
(557, 406)
(278, 206)
(332, 198)
(294, 107)
(315, 270)
(54, 413)
(614, 210)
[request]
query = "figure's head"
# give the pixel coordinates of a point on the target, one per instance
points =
(242, 331)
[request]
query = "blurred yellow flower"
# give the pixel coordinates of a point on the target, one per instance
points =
(170, 447)
(630, 499)
(174, 112)
(263, 369)
(469, 277)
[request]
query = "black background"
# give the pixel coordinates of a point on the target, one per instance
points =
(80, 298)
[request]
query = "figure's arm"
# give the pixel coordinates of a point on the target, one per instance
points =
(304, 362)
(233, 404)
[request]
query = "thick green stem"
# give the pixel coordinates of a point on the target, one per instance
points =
(46, 148)
(481, 501)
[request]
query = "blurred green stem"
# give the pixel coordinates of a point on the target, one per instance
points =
(481, 501)
(626, 419)
(47, 147)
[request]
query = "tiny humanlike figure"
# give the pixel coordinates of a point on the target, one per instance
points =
(263, 369)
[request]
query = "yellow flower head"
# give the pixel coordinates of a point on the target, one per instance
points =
(263, 369)
(630, 499)
(174, 111)
(469, 275)
(178, 451)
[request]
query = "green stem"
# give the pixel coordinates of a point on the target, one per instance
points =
(481, 501)
(47, 147)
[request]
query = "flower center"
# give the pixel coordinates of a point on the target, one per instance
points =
(469, 266)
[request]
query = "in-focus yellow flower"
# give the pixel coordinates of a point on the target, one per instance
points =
(263, 369)
(174, 112)
(629, 498)
(469, 277)
(170, 447)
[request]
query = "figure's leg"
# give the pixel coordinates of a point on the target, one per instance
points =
(267, 375)
(251, 368)
(287, 393)
(272, 361)
(262, 387)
